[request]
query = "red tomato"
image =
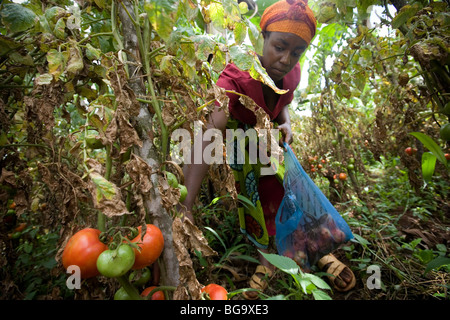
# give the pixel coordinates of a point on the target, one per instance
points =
(447, 156)
(158, 295)
(151, 246)
(342, 176)
(82, 250)
(20, 227)
(215, 292)
(410, 151)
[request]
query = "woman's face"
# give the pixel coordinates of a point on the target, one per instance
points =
(281, 52)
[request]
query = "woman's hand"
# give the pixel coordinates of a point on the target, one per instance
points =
(286, 134)
(284, 125)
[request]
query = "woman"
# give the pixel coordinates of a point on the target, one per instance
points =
(287, 26)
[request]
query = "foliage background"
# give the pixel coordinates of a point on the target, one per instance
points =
(69, 72)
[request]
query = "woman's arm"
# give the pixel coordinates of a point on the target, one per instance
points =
(194, 173)
(284, 125)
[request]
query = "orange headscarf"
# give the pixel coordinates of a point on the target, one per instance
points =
(292, 16)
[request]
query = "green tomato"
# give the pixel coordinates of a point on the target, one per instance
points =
(17, 79)
(445, 132)
(183, 192)
(122, 294)
(144, 276)
(171, 179)
(115, 263)
(446, 109)
(350, 167)
(334, 142)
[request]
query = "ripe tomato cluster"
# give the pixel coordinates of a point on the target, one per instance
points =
(86, 250)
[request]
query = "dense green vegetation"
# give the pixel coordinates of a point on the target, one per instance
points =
(90, 92)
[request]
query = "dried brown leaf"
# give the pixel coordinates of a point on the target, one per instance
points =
(127, 134)
(140, 173)
(170, 196)
(187, 237)
(106, 196)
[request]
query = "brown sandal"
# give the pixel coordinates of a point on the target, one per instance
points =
(258, 281)
(334, 269)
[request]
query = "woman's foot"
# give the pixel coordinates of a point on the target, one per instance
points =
(341, 277)
(259, 279)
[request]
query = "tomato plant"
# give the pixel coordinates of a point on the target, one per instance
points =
(151, 246)
(143, 276)
(116, 262)
(157, 295)
(215, 292)
(83, 249)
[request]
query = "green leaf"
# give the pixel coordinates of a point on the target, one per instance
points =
(258, 72)
(320, 295)
(245, 201)
(431, 145)
(321, 284)
(255, 36)
(52, 14)
(17, 18)
(428, 165)
(105, 189)
(241, 58)
(168, 65)
(75, 63)
(240, 32)
(360, 80)
(58, 31)
(7, 44)
(405, 13)
(160, 19)
(283, 263)
(17, 58)
(92, 53)
(303, 283)
(55, 61)
(217, 236)
(219, 59)
(357, 238)
(205, 46)
(217, 14)
(436, 263)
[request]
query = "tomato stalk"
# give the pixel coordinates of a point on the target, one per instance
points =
(160, 288)
(143, 47)
(129, 288)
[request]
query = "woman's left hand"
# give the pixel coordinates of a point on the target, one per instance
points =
(286, 134)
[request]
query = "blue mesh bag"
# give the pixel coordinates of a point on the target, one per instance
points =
(307, 224)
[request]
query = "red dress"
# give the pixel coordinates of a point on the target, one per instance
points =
(270, 189)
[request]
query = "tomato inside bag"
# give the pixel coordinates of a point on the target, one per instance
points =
(307, 224)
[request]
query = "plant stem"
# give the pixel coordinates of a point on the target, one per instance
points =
(160, 288)
(108, 162)
(132, 291)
